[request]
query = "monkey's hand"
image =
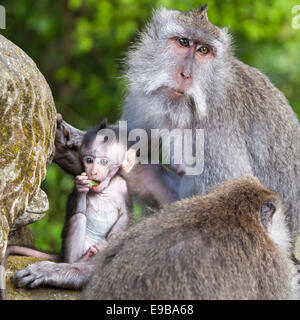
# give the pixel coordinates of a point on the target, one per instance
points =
(63, 275)
(82, 183)
(67, 142)
(93, 250)
(90, 253)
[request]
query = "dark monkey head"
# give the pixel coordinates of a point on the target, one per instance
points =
(102, 156)
(179, 60)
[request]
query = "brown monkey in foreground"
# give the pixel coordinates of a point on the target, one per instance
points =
(232, 243)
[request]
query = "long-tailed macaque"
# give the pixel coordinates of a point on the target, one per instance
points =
(98, 208)
(222, 245)
(182, 74)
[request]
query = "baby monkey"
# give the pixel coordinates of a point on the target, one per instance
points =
(98, 206)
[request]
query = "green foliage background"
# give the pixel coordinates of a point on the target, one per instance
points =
(78, 46)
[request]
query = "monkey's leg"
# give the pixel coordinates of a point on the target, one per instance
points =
(62, 275)
(153, 181)
(75, 240)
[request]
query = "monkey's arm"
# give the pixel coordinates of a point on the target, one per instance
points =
(76, 234)
(67, 142)
(62, 275)
(153, 182)
(120, 225)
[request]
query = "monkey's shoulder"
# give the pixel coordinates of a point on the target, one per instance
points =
(118, 184)
(251, 80)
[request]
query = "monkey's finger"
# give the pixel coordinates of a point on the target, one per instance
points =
(87, 181)
(83, 189)
(83, 174)
(37, 282)
(59, 118)
(81, 178)
(26, 280)
(20, 274)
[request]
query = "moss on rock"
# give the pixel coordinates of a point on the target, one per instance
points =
(27, 133)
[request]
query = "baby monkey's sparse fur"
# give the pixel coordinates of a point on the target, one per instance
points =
(213, 246)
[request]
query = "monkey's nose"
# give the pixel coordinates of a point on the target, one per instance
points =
(185, 75)
(184, 80)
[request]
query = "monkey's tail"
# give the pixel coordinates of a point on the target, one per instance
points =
(24, 252)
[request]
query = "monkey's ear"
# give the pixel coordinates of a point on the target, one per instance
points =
(202, 11)
(266, 213)
(129, 160)
(203, 7)
(103, 124)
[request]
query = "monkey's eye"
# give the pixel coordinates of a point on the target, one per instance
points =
(89, 160)
(204, 50)
(104, 162)
(183, 42)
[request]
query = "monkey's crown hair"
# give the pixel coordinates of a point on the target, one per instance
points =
(91, 134)
(202, 9)
(103, 124)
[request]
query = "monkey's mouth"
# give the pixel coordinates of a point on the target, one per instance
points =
(95, 184)
(174, 93)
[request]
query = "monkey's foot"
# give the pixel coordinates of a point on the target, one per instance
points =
(62, 275)
(36, 274)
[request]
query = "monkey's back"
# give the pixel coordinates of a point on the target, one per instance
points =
(193, 250)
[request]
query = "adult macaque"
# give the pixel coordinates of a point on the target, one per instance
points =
(222, 245)
(98, 207)
(182, 74)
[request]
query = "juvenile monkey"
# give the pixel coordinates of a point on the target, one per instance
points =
(98, 206)
(97, 210)
(222, 245)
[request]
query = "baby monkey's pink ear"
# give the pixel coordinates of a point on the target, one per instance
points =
(129, 160)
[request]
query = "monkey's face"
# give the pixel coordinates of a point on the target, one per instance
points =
(97, 169)
(179, 57)
(101, 162)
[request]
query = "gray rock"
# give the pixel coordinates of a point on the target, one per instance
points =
(27, 133)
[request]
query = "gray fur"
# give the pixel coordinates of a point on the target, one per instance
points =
(248, 124)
